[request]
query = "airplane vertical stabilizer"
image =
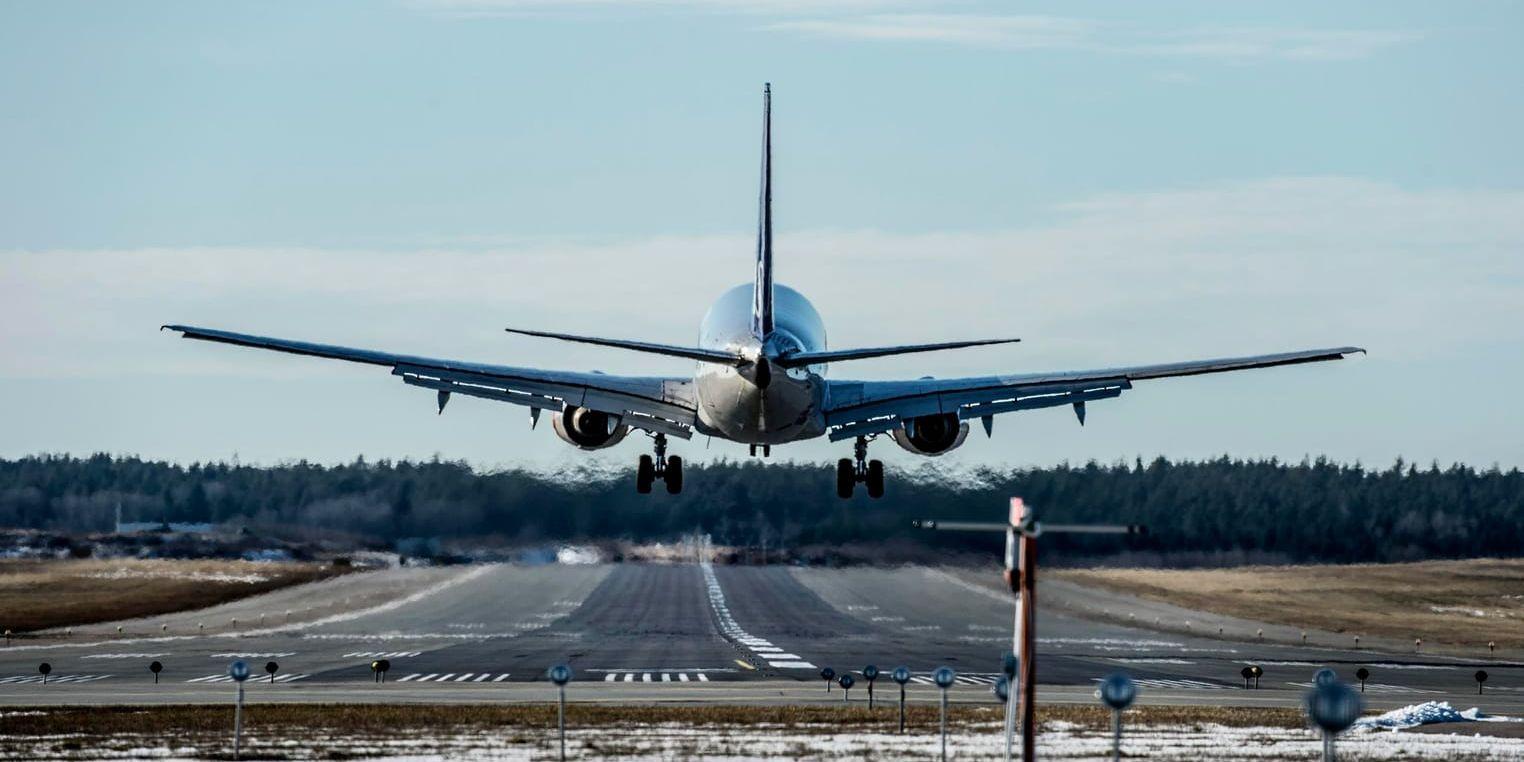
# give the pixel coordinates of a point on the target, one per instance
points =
(762, 294)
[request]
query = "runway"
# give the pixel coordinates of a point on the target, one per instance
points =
(677, 632)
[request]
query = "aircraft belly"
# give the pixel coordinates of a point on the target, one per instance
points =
(788, 410)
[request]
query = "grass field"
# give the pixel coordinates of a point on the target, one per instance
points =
(1466, 602)
(36, 595)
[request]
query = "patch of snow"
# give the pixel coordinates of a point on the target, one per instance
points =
(578, 555)
(1426, 713)
(192, 576)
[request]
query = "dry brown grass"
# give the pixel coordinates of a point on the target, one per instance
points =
(1456, 602)
(36, 595)
(366, 719)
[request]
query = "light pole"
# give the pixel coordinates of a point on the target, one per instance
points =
(944, 677)
(239, 671)
(561, 675)
(847, 681)
(901, 675)
(870, 673)
(1117, 691)
(1334, 706)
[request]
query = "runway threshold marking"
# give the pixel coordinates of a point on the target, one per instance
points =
(29, 679)
(745, 665)
(455, 677)
(224, 678)
(1377, 688)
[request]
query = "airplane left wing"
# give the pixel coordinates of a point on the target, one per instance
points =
(662, 405)
(858, 408)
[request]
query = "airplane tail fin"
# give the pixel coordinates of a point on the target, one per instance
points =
(800, 359)
(762, 286)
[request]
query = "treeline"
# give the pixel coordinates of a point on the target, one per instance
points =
(1224, 508)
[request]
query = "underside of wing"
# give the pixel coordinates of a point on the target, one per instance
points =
(662, 405)
(869, 407)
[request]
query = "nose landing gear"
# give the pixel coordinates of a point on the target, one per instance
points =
(667, 468)
(851, 471)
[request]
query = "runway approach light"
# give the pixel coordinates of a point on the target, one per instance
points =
(239, 671)
(1333, 707)
(380, 668)
(1481, 677)
(901, 675)
(1362, 674)
(1117, 691)
(1002, 689)
(155, 668)
(847, 681)
(45, 668)
(561, 675)
(944, 677)
(1324, 676)
(870, 673)
(270, 669)
(827, 674)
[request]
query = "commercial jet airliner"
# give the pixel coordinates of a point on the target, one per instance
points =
(761, 380)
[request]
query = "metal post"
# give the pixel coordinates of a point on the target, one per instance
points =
(902, 707)
(1027, 668)
(1011, 566)
(561, 721)
(944, 725)
(1328, 747)
(238, 722)
(1116, 735)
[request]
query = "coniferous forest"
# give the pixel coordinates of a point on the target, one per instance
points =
(1232, 510)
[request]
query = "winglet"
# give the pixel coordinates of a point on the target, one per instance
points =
(762, 286)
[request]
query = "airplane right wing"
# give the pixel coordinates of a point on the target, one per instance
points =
(661, 405)
(858, 408)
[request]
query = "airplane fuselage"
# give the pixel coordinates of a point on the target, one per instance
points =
(761, 403)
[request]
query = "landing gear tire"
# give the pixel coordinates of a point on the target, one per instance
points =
(846, 478)
(674, 475)
(875, 479)
(645, 475)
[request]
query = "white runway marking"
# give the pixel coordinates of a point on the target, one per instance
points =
(455, 677)
(380, 654)
(65, 679)
(223, 678)
(123, 656)
(761, 647)
(1374, 688)
(1179, 683)
(279, 655)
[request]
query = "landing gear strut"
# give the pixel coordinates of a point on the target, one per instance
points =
(668, 468)
(851, 471)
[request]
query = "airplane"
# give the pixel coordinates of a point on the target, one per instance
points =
(761, 380)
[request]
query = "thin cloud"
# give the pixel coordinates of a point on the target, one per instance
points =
(1013, 32)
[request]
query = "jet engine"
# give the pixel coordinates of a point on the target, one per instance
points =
(931, 434)
(588, 429)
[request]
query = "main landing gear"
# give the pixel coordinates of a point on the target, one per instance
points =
(850, 471)
(668, 468)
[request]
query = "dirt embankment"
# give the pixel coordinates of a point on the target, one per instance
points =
(36, 595)
(1466, 602)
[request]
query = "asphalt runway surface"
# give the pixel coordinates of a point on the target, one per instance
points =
(681, 633)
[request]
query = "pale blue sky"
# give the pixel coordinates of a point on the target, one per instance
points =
(1115, 182)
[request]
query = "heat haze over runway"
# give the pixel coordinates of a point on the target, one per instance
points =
(685, 632)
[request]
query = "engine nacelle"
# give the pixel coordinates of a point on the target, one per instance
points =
(588, 429)
(931, 434)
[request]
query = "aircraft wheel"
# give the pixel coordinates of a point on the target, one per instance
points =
(674, 475)
(875, 478)
(846, 478)
(645, 474)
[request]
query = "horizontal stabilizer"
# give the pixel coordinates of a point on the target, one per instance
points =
(691, 353)
(799, 359)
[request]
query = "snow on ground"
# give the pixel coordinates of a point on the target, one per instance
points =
(181, 574)
(661, 742)
(1423, 714)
